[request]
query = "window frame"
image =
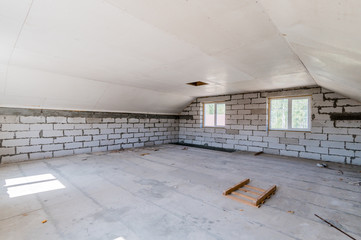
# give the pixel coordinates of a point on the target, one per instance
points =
(289, 127)
(215, 115)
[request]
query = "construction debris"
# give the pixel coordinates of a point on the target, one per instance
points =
(321, 165)
(358, 183)
(331, 225)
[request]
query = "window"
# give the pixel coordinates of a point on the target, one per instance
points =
(214, 115)
(291, 113)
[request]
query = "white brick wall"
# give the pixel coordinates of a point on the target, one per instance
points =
(31, 119)
(36, 137)
(337, 141)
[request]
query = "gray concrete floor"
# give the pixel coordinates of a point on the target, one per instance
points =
(177, 194)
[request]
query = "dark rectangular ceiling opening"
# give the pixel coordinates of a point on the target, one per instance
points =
(198, 83)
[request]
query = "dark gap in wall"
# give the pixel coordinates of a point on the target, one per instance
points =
(186, 117)
(90, 114)
(345, 116)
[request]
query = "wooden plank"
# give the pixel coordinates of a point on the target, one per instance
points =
(235, 187)
(242, 201)
(244, 196)
(249, 191)
(269, 191)
(255, 188)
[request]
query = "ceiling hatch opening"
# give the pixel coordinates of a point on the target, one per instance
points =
(197, 84)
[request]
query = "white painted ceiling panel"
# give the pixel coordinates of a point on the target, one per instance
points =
(325, 35)
(3, 69)
(183, 19)
(12, 16)
(138, 55)
(264, 58)
(113, 99)
(89, 45)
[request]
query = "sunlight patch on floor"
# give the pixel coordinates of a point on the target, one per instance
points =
(22, 186)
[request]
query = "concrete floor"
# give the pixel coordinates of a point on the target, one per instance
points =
(176, 194)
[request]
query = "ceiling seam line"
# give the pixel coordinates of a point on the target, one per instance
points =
(16, 42)
(90, 79)
(175, 36)
(288, 43)
(100, 97)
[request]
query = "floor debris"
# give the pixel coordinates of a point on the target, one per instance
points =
(292, 212)
(185, 148)
(258, 153)
(331, 225)
(321, 165)
(358, 183)
(143, 154)
(44, 221)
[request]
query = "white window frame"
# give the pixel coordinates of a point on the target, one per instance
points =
(289, 127)
(215, 114)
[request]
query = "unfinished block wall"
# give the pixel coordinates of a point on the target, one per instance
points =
(246, 126)
(35, 134)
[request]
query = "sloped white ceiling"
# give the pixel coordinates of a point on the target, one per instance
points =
(326, 35)
(138, 55)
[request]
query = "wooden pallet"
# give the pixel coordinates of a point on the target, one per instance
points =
(261, 194)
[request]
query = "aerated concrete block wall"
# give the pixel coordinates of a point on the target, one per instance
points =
(335, 135)
(246, 126)
(36, 134)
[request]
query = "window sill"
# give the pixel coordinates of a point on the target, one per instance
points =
(289, 130)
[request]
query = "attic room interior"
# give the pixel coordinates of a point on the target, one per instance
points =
(183, 119)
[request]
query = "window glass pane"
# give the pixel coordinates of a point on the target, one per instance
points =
(209, 112)
(279, 113)
(221, 114)
(300, 113)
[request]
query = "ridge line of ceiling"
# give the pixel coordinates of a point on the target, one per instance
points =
(287, 42)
